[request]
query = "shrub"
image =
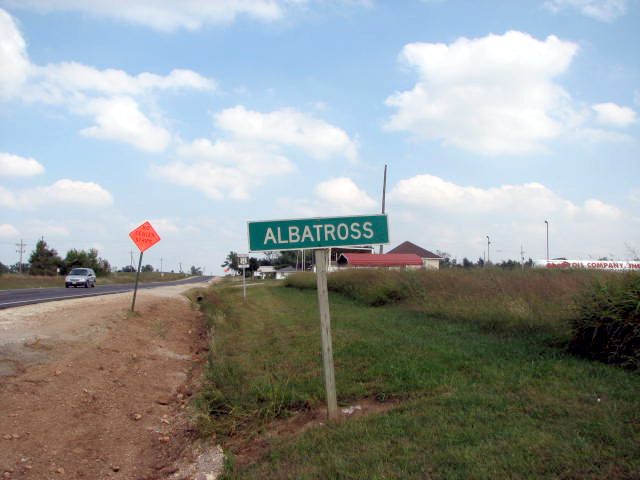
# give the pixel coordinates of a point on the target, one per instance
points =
(301, 281)
(500, 301)
(606, 324)
(370, 287)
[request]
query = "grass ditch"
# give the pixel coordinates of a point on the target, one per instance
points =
(476, 399)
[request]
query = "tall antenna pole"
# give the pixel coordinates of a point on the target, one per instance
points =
(522, 256)
(20, 250)
(384, 195)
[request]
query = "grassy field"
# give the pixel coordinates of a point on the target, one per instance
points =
(492, 395)
(9, 281)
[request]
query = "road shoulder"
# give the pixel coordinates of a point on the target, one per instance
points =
(90, 391)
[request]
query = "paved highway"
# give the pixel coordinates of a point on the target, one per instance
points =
(27, 296)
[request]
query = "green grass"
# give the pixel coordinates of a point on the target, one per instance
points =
(473, 401)
(10, 281)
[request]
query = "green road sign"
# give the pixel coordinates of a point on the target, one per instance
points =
(318, 233)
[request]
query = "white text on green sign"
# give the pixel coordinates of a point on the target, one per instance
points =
(318, 232)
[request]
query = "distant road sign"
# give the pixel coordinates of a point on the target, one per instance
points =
(327, 232)
(144, 236)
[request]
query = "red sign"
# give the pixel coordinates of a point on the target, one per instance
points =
(144, 236)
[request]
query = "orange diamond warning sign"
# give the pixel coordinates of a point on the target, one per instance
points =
(144, 236)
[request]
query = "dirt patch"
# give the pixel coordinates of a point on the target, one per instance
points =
(89, 391)
(249, 450)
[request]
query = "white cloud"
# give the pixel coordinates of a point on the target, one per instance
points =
(598, 135)
(169, 227)
(48, 228)
(615, 115)
(57, 83)
(435, 192)
(16, 166)
(8, 231)
(13, 57)
(597, 208)
(120, 119)
(603, 10)
(343, 192)
(224, 169)
(254, 151)
(456, 218)
(287, 127)
(166, 15)
(7, 198)
(336, 196)
(172, 15)
(109, 95)
(492, 95)
(62, 192)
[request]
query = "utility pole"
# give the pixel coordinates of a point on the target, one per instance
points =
(488, 256)
(20, 251)
(161, 265)
(384, 195)
(131, 262)
(522, 252)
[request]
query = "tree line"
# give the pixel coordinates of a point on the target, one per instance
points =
(275, 259)
(449, 262)
(46, 261)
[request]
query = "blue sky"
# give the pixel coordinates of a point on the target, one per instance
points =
(198, 116)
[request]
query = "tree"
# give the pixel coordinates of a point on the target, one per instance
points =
(466, 263)
(81, 258)
(287, 258)
(147, 268)
(44, 260)
(446, 259)
(16, 267)
(253, 264)
(3, 268)
(196, 270)
(509, 264)
(271, 257)
(480, 262)
(231, 262)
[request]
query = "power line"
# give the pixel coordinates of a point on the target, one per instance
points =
(21, 251)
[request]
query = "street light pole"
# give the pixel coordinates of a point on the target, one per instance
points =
(488, 256)
(547, 223)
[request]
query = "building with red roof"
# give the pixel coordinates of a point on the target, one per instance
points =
(385, 260)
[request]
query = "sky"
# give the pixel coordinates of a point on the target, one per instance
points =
(200, 115)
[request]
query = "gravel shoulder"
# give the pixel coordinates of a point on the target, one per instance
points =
(90, 391)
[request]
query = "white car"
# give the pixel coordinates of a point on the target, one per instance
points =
(80, 277)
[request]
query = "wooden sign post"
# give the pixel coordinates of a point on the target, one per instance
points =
(322, 262)
(144, 237)
(319, 234)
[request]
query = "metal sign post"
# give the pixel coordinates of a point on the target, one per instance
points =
(135, 288)
(144, 237)
(243, 263)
